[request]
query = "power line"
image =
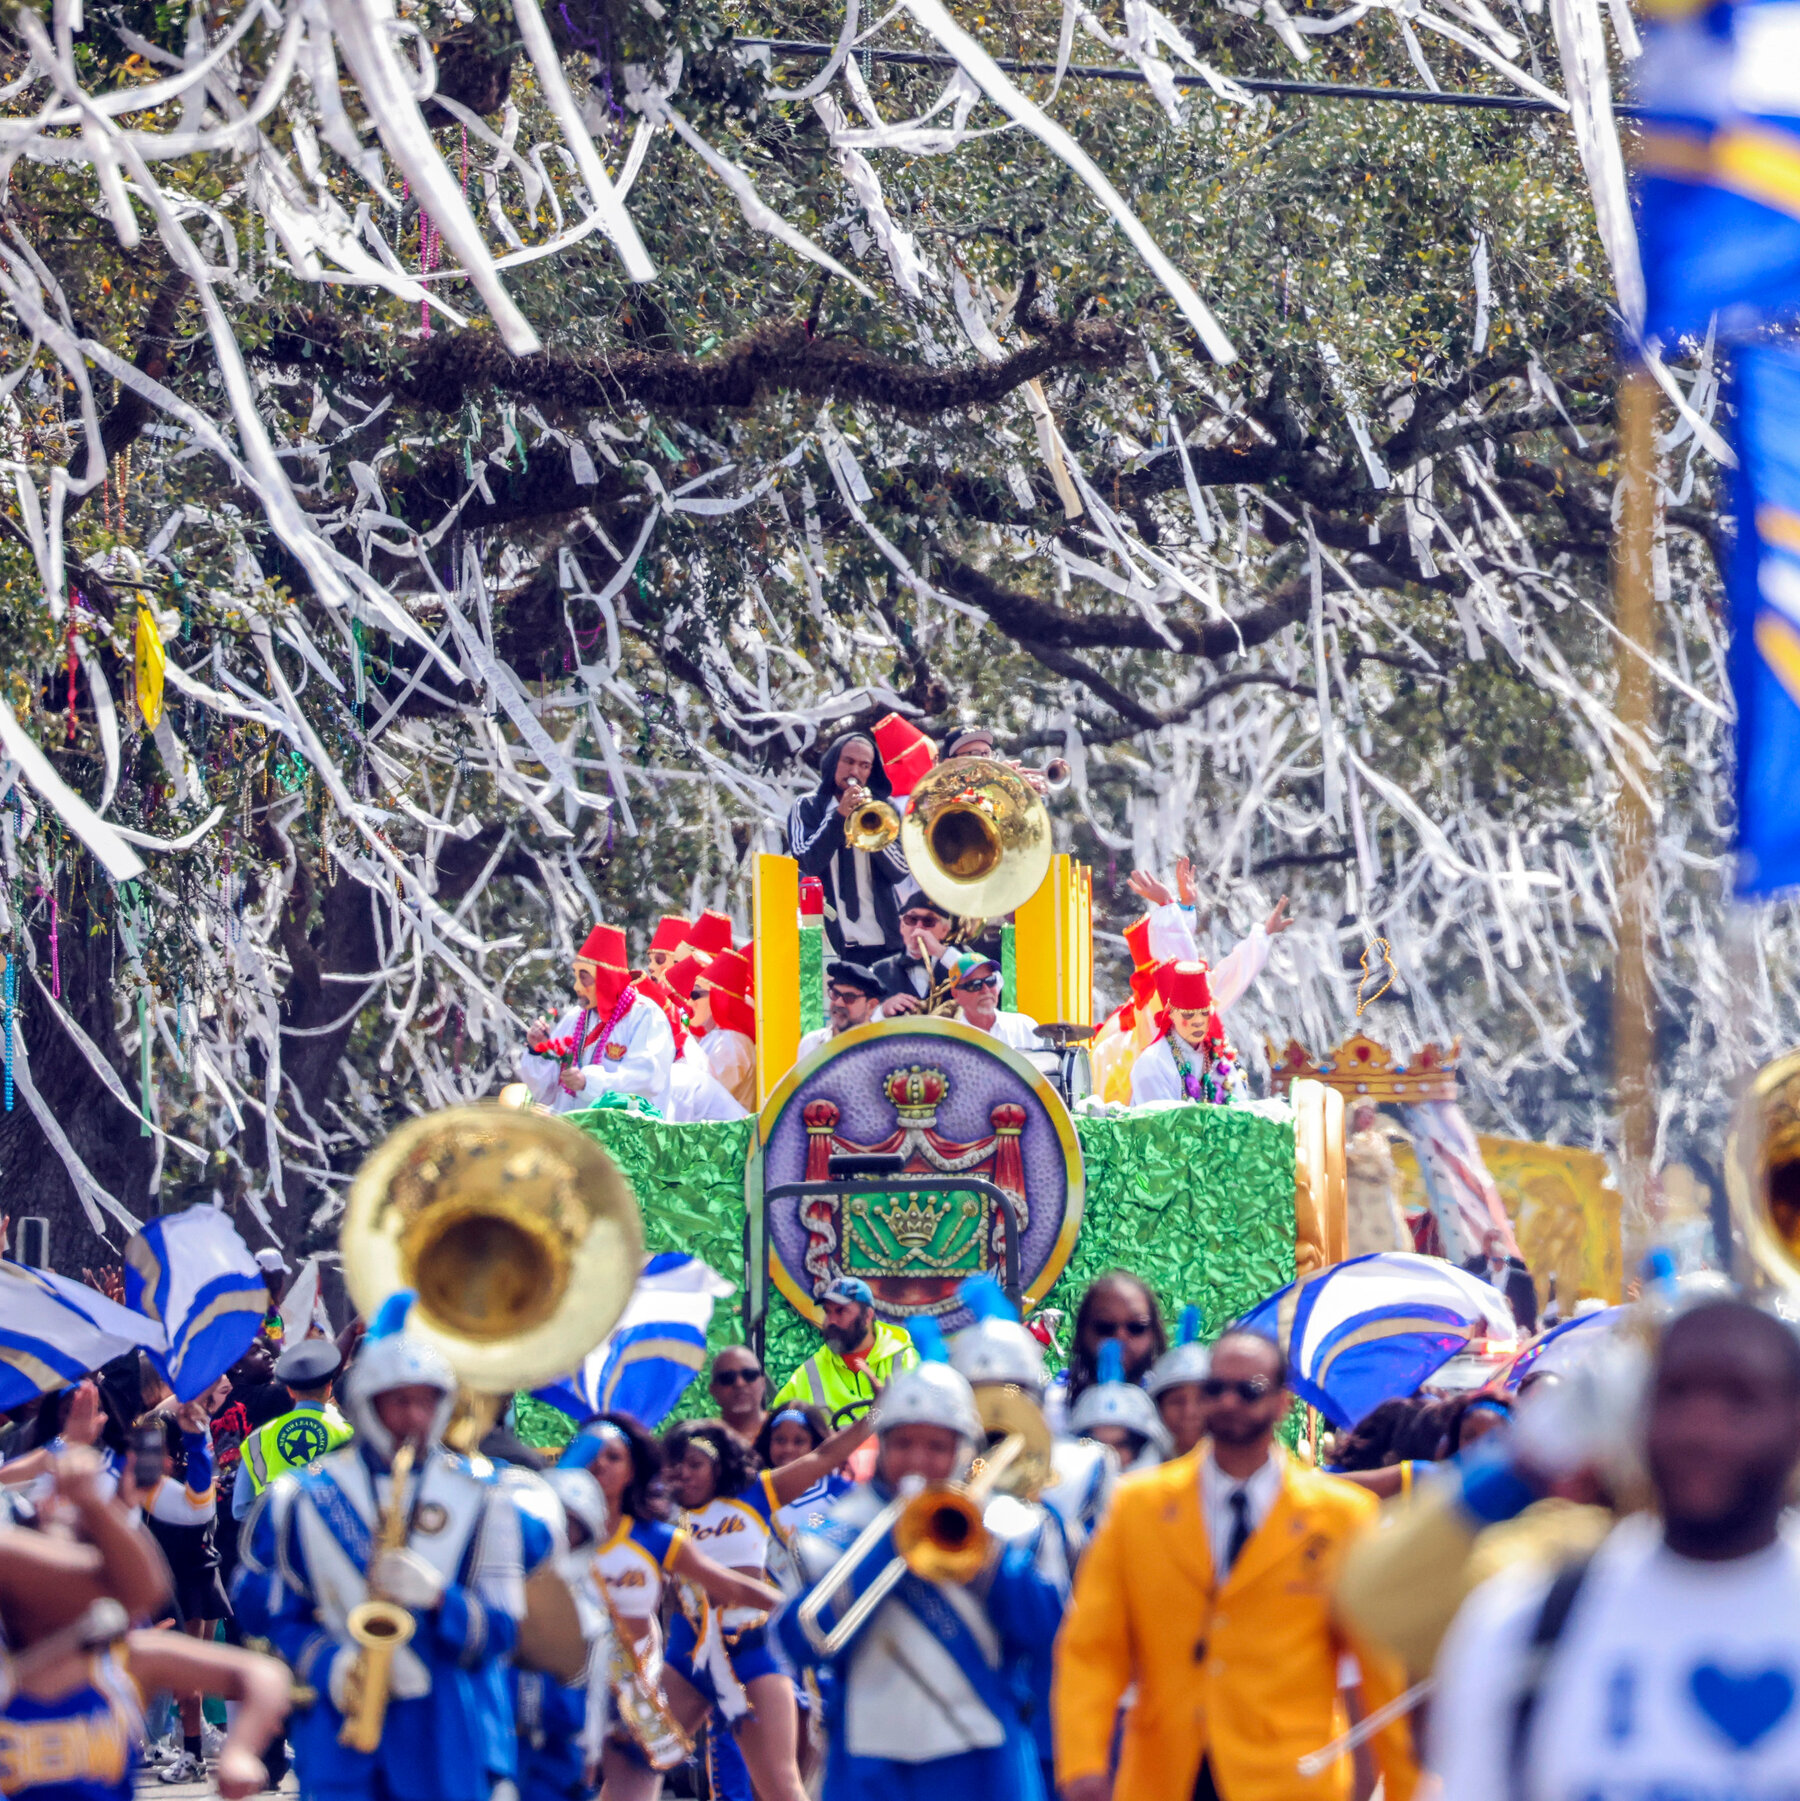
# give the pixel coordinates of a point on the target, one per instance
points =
(1316, 90)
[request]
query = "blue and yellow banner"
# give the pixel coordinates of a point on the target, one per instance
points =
(1764, 585)
(1718, 165)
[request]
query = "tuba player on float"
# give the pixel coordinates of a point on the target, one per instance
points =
(394, 1517)
(932, 1683)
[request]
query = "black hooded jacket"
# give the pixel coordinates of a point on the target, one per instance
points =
(816, 840)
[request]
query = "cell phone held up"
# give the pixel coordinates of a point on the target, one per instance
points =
(149, 1456)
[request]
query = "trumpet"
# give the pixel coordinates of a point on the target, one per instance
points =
(940, 1532)
(871, 825)
(379, 1627)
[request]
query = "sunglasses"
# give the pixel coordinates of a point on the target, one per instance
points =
(729, 1378)
(921, 919)
(1105, 1328)
(979, 983)
(847, 996)
(1251, 1388)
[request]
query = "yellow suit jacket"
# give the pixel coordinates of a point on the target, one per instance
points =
(1244, 1672)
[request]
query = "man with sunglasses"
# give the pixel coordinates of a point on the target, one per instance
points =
(738, 1386)
(1209, 1587)
(853, 994)
(918, 979)
(975, 987)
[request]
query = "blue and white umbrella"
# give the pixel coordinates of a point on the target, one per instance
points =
(643, 1366)
(1375, 1327)
(54, 1331)
(192, 1274)
(1564, 1346)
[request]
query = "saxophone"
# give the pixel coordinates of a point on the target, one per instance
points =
(379, 1626)
(638, 1698)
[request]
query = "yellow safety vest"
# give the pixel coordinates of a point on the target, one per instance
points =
(293, 1441)
(825, 1380)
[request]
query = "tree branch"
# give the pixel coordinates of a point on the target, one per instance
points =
(1035, 624)
(438, 375)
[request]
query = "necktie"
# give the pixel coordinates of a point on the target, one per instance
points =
(1240, 1527)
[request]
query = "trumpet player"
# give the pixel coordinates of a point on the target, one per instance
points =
(931, 1687)
(393, 1518)
(862, 922)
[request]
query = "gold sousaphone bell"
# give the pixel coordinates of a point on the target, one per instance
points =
(977, 838)
(523, 1243)
(1762, 1168)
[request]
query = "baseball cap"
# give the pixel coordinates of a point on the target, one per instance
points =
(969, 966)
(849, 1288)
(270, 1260)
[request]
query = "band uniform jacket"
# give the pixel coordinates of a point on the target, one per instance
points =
(1244, 1671)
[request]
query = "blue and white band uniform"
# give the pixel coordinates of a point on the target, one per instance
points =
(450, 1733)
(933, 1694)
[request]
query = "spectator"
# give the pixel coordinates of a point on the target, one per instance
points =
(1500, 1269)
(181, 1506)
(1668, 1663)
(739, 1387)
(1208, 1587)
(859, 1355)
(1370, 1443)
(1117, 1305)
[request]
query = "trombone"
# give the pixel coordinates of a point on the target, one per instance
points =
(940, 1531)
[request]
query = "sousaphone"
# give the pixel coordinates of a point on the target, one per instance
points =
(523, 1243)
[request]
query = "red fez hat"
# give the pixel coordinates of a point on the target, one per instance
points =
(1185, 987)
(731, 971)
(685, 971)
(1137, 941)
(671, 933)
(906, 753)
(711, 933)
(605, 944)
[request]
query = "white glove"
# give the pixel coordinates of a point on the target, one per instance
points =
(406, 1577)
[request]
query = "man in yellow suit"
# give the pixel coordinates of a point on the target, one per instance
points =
(1209, 1587)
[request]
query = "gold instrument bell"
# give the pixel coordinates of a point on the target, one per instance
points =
(872, 827)
(1762, 1168)
(522, 1242)
(515, 1230)
(976, 838)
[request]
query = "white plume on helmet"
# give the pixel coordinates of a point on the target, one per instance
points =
(1120, 1404)
(392, 1357)
(998, 1350)
(932, 1394)
(1180, 1363)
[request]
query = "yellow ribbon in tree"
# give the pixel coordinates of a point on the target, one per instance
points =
(150, 665)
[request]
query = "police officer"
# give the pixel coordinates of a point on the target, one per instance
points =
(312, 1555)
(931, 1691)
(302, 1435)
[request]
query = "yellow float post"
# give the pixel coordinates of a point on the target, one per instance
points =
(775, 923)
(1053, 942)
